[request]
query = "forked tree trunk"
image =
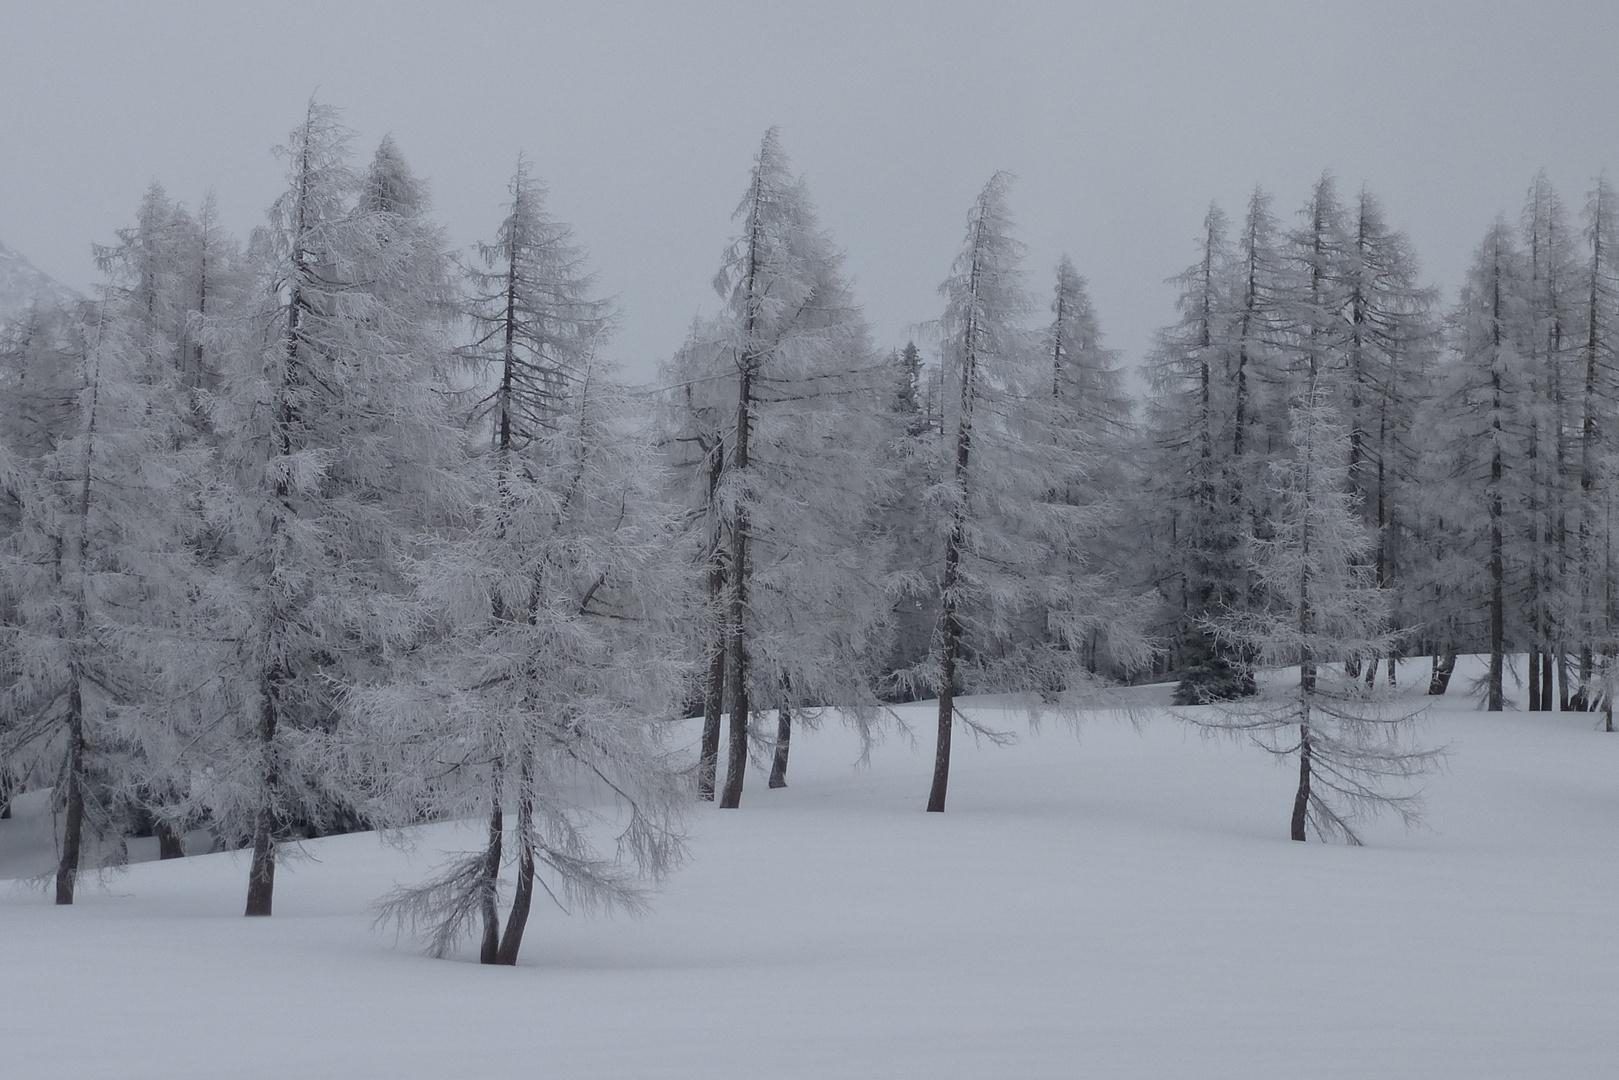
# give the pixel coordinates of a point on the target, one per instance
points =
(67, 869)
(517, 918)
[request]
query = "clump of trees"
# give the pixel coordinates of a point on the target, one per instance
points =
(330, 531)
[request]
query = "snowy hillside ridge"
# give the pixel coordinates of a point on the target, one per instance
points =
(21, 283)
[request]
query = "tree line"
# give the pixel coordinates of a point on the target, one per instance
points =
(336, 529)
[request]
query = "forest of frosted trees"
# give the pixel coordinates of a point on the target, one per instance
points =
(337, 529)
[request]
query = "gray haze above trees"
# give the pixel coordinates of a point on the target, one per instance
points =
(1121, 120)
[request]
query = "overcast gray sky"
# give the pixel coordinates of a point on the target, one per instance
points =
(1122, 121)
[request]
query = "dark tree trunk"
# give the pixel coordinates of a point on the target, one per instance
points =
(489, 902)
(1496, 692)
(1604, 696)
(784, 735)
(67, 870)
(517, 918)
(950, 635)
(713, 706)
(1301, 801)
(1443, 668)
(714, 693)
(1546, 697)
(170, 844)
(941, 749)
(736, 760)
(261, 875)
(1534, 681)
(950, 627)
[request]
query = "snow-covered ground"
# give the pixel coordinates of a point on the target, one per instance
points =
(1121, 904)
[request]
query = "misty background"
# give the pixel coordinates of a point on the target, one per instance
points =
(1121, 120)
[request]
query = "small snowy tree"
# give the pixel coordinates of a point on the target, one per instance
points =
(549, 683)
(1324, 608)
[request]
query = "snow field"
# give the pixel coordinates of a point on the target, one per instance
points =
(1124, 904)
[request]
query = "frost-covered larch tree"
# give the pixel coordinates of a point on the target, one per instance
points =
(548, 686)
(806, 603)
(1481, 420)
(695, 408)
(94, 515)
(1550, 275)
(1013, 598)
(1598, 362)
(341, 451)
(1190, 494)
(165, 274)
(1389, 354)
(1324, 608)
(552, 668)
(535, 315)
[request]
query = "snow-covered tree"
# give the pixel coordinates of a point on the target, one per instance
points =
(805, 605)
(341, 451)
(1387, 362)
(1598, 362)
(1481, 411)
(535, 317)
(547, 687)
(1323, 608)
(695, 410)
(1550, 277)
(94, 519)
(1014, 609)
(1086, 376)
(1194, 513)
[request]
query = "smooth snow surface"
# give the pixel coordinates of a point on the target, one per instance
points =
(1124, 904)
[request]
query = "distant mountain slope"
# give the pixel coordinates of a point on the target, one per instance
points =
(21, 283)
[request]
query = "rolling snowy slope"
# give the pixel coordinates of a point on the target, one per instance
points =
(1121, 904)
